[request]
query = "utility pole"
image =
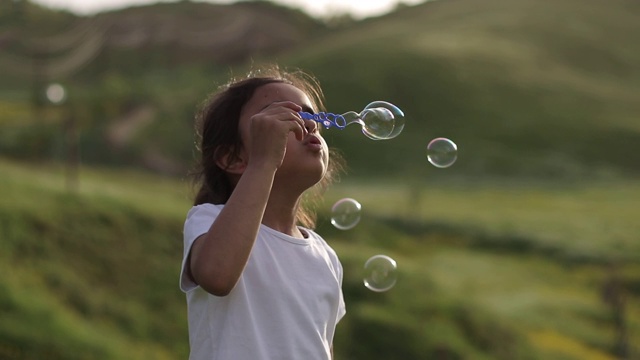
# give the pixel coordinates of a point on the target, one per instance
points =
(73, 151)
(58, 95)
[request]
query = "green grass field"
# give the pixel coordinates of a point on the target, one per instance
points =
(486, 271)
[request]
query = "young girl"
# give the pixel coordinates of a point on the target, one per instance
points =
(260, 284)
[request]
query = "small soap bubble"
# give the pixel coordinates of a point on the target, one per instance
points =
(380, 273)
(345, 213)
(56, 93)
(442, 152)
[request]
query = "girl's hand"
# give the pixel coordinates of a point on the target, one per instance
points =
(269, 131)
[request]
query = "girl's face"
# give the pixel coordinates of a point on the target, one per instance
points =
(305, 159)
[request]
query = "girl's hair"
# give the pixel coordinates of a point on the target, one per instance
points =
(217, 134)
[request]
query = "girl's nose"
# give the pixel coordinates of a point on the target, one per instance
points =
(310, 125)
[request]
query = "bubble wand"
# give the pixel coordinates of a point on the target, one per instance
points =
(380, 120)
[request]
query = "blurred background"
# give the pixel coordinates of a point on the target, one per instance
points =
(528, 247)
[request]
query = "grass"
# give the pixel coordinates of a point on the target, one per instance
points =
(463, 291)
(81, 269)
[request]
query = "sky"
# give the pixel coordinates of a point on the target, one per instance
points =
(359, 9)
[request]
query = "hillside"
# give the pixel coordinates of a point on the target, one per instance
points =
(162, 34)
(132, 77)
(93, 274)
(525, 88)
(535, 88)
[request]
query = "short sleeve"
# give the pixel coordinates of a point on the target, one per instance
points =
(338, 270)
(342, 308)
(197, 223)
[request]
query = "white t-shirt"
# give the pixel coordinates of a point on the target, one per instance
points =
(285, 305)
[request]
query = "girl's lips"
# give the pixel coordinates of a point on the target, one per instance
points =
(312, 140)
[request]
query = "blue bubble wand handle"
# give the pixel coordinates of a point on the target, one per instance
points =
(326, 119)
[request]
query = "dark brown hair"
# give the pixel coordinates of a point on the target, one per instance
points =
(217, 133)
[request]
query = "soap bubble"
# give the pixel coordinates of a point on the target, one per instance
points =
(56, 93)
(345, 213)
(382, 120)
(380, 273)
(442, 152)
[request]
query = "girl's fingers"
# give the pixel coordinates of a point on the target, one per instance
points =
(288, 104)
(299, 130)
(288, 111)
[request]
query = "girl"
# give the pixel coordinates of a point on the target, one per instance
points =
(260, 284)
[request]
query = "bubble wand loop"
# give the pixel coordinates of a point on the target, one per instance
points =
(380, 120)
(326, 119)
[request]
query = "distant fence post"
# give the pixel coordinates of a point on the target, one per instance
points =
(614, 296)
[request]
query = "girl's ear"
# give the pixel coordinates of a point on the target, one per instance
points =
(230, 161)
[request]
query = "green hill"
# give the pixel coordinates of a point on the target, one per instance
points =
(545, 89)
(535, 88)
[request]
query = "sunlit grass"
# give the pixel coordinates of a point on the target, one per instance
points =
(556, 345)
(39, 315)
(584, 217)
(14, 113)
(138, 189)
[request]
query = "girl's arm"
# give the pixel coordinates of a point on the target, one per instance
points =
(218, 257)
